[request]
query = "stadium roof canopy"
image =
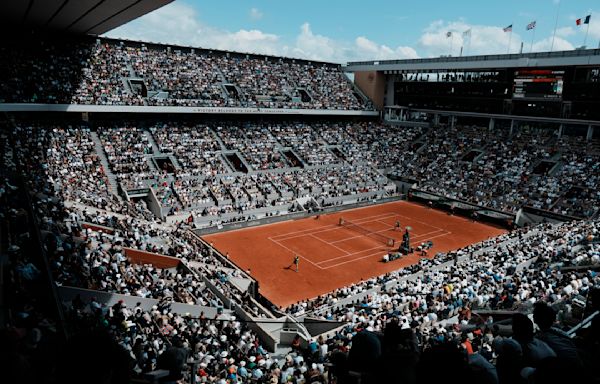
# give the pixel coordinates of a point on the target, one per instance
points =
(579, 57)
(73, 16)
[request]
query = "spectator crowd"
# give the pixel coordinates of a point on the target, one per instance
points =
(415, 317)
(499, 311)
(329, 163)
(112, 72)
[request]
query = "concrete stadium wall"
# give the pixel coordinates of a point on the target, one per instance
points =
(317, 327)
(372, 84)
(97, 228)
(142, 257)
(528, 216)
(31, 107)
(67, 294)
(265, 329)
(292, 216)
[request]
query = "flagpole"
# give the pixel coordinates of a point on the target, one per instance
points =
(555, 25)
(466, 42)
(469, 46)
(586, 33)
(509, 39)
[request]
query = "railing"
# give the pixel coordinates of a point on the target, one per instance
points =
(588, 320)
(446, 199)
(512, 56)
(37, 240)
(291, 216)
(548, 214)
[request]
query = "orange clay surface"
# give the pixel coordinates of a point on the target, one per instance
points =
(332, 256)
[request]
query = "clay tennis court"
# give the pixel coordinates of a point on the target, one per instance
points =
(331, 255)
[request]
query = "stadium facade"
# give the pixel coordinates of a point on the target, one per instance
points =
(564, 84)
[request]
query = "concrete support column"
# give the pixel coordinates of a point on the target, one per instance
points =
(389, 91)
(492, 123)
(512, 127)
(590, 133)
(560, 130)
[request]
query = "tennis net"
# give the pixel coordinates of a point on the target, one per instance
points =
(364, 231)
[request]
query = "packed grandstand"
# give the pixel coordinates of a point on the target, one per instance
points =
(111, 72)
(85, 200)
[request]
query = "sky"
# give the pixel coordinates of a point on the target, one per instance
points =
(343, 31)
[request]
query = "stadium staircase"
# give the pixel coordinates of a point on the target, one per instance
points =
(218, 139)
(225, 152)
(359, 93)
(126, 85)
(231, 165)
(155, 151)
(422, 137)
(240, 283)
(283, 150)
(241, 95)
(175, 162)
(131, 70)
(113, 184)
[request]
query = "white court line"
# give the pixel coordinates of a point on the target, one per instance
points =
(440, 235)
(363, 220)
(372, 254)
(319, 229)
(427, 234)
(334, 246)
(304, 230)
(316, 230)
(407, 217)
(350, 254)
(384, 223)
(353, 260)
(358, 236)
(386, 230)
(420, 222)
(295, 253)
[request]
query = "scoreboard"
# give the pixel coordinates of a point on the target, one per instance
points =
(538, 84)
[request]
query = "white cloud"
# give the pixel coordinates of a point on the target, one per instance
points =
(560, 44)
(319, 47)
(368, 48)
(565, 31)
(255, 14)
(484, 39)
(178, 23)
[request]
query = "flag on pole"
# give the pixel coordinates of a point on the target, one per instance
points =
(467, 33)
(531, 25)
(508, 29)
(583, 21)
(448, 34)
